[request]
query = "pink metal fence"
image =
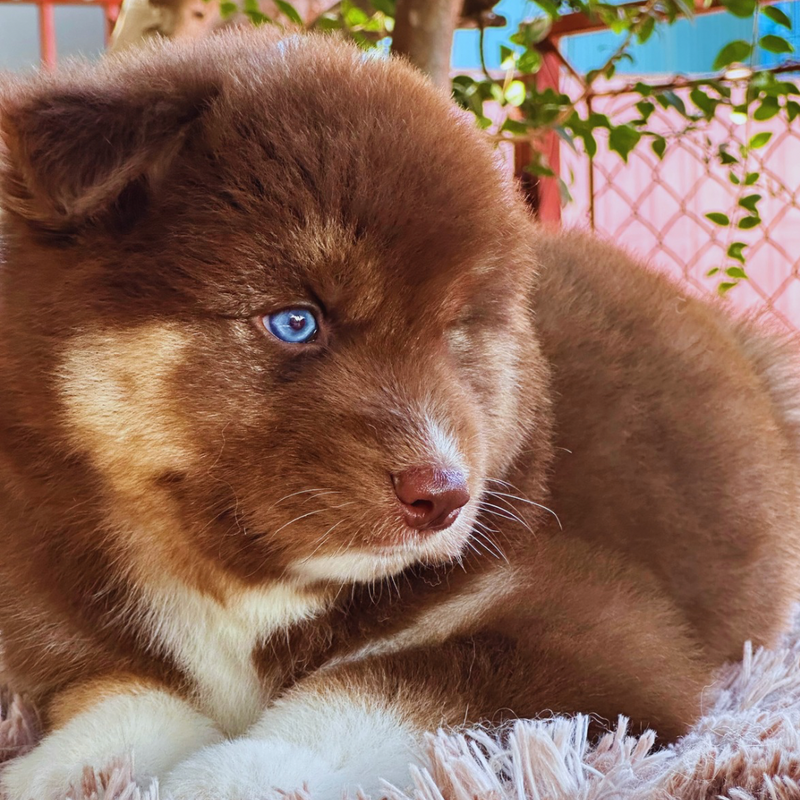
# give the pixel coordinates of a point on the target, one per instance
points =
(657, 207)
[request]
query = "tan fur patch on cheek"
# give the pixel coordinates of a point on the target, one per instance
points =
(116, 387)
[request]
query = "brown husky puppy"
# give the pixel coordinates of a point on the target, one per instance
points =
(298, 461)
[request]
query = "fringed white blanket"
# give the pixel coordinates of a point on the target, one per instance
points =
(745, 746)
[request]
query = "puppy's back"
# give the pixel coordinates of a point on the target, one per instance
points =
(669, 415)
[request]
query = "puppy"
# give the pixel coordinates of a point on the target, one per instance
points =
(302, 455)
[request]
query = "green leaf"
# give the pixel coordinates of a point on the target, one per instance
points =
(613, 17)
(759, 140)
(328, 23)
(713, 271)
(673, 100)
(751, 178)
(598, 120)
(623, 139)
(659, 146)
(227, 9)
(767, 110)
(563, 192)
(706, 104)
(776, 15)
(745, 223)
(508, 57)
(542, 170)
(736, 251)
(515, 127)
(589, 144)
(645, 108)
(750, 202)
(565, 136)
(534, 31)
(463, 81)
(256, 17)
(530, 61)
(373, 24)
(646, 30)
(515, 93)
(388, 7)
(733, 52)
(735, 272)
(726, 286)
(785, 87)
(549, 7)
(289, 11)
(491, 91)
(725, 157)
(464, 93)
(775, 44)
(740, 8)
(643, 89)
(718, 218)
(792, 110)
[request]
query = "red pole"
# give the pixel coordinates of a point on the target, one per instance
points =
(47, 35)
(112, 13)
(549, 209)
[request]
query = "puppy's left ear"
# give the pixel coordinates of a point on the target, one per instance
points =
(78, 154)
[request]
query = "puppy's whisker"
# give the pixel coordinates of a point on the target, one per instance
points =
(294, 494)
(499, 511)
(489, 545)
(502, 495)
(317, 511)
(319, 494)
(321, 541)
(298, 518)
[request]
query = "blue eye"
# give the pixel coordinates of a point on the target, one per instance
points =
(293, 325)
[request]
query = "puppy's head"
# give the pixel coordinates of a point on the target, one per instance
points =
(268, 301)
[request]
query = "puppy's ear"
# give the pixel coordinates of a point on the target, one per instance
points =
(76, 155)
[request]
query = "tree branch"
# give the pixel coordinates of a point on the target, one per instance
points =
(423, 31)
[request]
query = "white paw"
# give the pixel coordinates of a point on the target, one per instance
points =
(40, 776)
(33, 777)
(255, 769)
(159, 729)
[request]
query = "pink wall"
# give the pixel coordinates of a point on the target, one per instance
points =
(657, 207)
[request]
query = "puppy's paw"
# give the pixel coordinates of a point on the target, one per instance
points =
(40, 776)
(36, 777)
(254, 769)
(160, 730)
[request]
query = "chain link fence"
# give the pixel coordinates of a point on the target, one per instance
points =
(657, 207)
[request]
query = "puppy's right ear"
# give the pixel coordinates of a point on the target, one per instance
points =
(72, 154)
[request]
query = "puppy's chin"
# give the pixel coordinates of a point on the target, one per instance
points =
(364, 565)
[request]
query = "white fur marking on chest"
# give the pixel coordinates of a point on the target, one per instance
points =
(214, 642)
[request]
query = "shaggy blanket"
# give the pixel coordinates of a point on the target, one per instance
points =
(745, 746)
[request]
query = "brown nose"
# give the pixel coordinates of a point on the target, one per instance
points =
(430, 498)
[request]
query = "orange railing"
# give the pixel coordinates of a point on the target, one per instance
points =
(48, 46)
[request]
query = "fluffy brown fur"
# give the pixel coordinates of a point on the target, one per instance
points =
(186, 497)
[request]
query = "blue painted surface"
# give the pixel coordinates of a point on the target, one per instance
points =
(685, 47)
(465, 43)
(688, 46)
(792, 10)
